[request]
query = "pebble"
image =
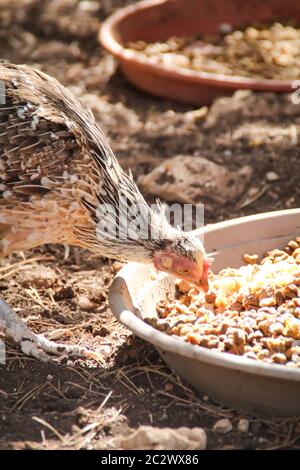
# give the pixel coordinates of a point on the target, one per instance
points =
(148, 437)
(84, 303)
(89, 6)
(38, 276)
(272, 176)
(223, 426)
(243, 425)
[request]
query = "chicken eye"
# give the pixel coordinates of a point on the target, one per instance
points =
(182, 271)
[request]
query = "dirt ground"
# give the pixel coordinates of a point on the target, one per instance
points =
(76, 404)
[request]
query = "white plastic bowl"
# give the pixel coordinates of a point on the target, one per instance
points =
(231, 380)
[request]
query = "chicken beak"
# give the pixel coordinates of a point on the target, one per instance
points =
(203, 283)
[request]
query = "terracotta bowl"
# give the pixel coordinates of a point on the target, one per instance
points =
(154, 20)
(235, 381)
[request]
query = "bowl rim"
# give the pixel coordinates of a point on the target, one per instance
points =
(120, 300)
(131, 57)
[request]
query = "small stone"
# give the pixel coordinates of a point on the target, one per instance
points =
(243, 425)
(190, 179)
(148, 437)
(262, 440)
(84, 303)
(272, 176)
(89, 6)
(38, 276)
(223, 426)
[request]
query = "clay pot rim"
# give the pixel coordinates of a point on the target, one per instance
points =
(134, 59)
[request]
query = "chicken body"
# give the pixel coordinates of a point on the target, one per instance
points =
(58, 175)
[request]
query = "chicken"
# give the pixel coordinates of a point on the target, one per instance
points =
(61, 183)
